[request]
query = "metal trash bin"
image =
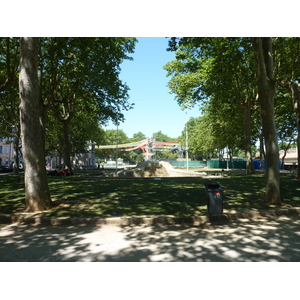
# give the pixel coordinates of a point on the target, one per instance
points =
(214, 197)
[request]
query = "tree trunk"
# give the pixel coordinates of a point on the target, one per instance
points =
(247, 139)
(37, 196)
(298, 147)
(272, 154)
(16, 151)
(263, 54)
(66, 147)
(262, 154)
(285, 152)
(296, 103)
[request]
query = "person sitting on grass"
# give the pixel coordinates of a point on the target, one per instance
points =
(65, 172)
(56, 172)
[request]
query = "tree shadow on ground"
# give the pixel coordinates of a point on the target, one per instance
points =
(77, 196)
(261, 239)
(125, 197)
(245, 240)
(41, 243)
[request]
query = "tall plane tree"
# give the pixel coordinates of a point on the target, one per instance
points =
(82, 74)
(266, 83)
(37, 194)
(288, 76)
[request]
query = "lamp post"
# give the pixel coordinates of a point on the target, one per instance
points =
(225, 132)
(227, 157)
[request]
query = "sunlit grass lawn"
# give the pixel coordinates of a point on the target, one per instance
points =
(83, 195)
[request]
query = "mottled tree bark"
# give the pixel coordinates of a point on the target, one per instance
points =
(294, 87)
(247, 139)
(66, 147)
(266, 83)
(37, 194)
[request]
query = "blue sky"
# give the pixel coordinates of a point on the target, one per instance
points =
(155, 109)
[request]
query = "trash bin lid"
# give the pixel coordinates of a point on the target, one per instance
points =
(212, 185)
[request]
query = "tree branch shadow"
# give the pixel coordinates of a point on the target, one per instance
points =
(270, 239)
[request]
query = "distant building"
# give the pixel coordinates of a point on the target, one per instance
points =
(6, 152)
(85, 159)
(290, 160)
(291, 157)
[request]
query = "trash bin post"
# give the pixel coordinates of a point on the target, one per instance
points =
(214, 198)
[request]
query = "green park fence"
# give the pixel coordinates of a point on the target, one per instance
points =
(214, 164)
(235, 164)
(191, 164)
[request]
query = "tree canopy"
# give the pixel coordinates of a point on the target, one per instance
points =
(235, 81)
(81, 85)
(78, 88)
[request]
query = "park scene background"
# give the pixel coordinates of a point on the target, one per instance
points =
(226, 20)
(82, 91)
